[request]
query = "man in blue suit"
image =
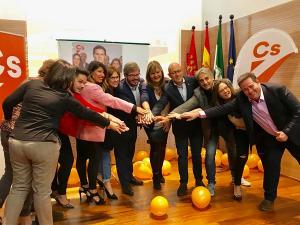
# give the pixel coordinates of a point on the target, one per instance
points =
(132, 90)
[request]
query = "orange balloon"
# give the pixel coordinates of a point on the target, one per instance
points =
(143, 172)
(147, 162)
(73, 178)
(203, 153)
(219, 153)
(189, 152)
(218, 160)
(252, 161)
(114, 170)
(224, 159)
(170, 154)
(201, 197)
(166, 168)
(260, 166)
(136, 166)
(246, 171)
(159, 206)
(140, 155)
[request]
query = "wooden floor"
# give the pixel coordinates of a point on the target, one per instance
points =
(222, 210)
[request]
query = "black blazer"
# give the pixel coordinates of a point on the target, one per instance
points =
(124, 92)
(283, 106)
(172, 96)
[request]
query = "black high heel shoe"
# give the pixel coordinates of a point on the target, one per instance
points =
(109, 195)
(67, 205)
(237, 197)
(83, 190)
(91, 198)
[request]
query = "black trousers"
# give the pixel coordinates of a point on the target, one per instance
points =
(65, 161)
(195, 139)
(88, 150)
(124, 148)
(270, 152)
(158, 141)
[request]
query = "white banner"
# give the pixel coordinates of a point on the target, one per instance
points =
(263, 53)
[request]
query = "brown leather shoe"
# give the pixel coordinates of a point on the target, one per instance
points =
(266, 206)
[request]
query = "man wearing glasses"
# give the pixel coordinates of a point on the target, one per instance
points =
(131, 89)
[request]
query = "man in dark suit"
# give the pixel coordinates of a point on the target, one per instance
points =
(132, 90)
(177, 91)
(272, 117)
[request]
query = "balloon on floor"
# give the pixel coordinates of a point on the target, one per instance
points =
(246, 171)
(252, 160)
(224, 159)
(170, 154)
(159, 206)
(140, 155)
(201, 197)
(260, 166)
(167, 168)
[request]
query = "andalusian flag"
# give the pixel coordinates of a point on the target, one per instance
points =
(219, 62)
(231, 52)
(206, 49)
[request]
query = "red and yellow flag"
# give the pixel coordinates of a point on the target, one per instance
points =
(206, 49)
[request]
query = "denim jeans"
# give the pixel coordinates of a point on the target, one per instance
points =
(105, 166)
(210, 163)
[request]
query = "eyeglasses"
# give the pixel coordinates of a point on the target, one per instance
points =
(224, 89)
(134, 75)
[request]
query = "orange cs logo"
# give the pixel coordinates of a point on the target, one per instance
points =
(263, 48)
(12, 64)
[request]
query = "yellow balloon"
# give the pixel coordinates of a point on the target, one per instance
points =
(218, 160)
(252, 161)
(143, 172)
(219, 153)
(224, 159)
(73, 178)
(260, 166)
(246, 171)
(114, 170)
(170, 154)
(147, 162)
(201, 197)
(159, 206)
(166, 168)
(140, 155)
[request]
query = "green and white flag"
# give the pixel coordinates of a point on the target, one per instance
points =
(219, 62)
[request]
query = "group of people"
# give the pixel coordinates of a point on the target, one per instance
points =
(97, 108)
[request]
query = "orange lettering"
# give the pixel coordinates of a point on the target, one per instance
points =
(255, 50)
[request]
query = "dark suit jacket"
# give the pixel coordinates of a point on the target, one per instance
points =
(124, 92)
(172, 96)
(283, 106)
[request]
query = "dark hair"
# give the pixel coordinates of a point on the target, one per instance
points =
(94, 65)
(152, 67)
(81, 71)
(216, 100)
(99, 47)
(130, 67)
(110, 71)
(60, 75)
(45, 67)
(246, 76)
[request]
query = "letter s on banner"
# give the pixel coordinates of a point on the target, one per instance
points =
(12, 64)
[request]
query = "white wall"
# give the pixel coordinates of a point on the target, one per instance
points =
(211, 9)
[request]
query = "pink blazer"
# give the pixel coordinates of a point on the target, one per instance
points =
(95, 95)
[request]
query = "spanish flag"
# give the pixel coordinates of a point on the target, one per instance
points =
(206, 49)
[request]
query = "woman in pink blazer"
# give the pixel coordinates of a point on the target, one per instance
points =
(90, 139)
